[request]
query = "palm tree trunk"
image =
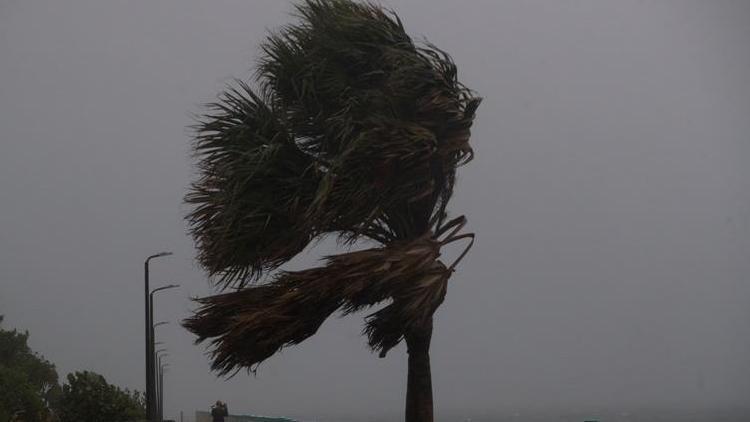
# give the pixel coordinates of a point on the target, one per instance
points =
(419, 383)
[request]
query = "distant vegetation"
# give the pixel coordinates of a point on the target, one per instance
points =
(30, 391)
(88, 397)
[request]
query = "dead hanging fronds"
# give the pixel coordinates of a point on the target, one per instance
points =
(250, 325)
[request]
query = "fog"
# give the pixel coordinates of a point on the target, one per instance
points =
(610, 195)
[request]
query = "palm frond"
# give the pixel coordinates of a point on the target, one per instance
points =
(249, 325)
(255, 184)
(347, 74)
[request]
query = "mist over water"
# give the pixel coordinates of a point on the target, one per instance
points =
(566, 415)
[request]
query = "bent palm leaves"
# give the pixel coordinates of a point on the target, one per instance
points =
(354, 130)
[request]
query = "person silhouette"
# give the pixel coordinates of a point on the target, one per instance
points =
(219, 411)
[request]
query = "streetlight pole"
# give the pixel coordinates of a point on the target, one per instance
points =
(161, 391)
(149, 349)
(157, 389)
(153, 338)
(157, 356)
(159, 386)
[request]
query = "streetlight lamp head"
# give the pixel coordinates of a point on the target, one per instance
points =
(168, 286)
(158, 255)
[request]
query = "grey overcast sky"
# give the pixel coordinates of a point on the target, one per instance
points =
(610, 193)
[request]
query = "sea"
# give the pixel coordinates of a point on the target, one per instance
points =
(673, 415)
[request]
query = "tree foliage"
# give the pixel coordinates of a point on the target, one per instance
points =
(87, 396)
(28, 383)
(352, 129)
(30, 392)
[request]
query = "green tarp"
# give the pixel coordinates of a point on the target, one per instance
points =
(206, 417)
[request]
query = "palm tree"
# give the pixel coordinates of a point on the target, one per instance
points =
(355, 130)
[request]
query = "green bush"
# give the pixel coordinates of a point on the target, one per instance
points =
(87, 396)
(28, 382)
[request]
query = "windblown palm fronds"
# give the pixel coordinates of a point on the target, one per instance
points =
(261, 319)
(353, 129)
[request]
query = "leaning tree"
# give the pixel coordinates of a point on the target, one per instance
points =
(352, 129)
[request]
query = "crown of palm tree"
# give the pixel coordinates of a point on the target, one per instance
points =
(353, 129)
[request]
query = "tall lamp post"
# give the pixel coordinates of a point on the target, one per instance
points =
(158, 390)
(153, 338)
(158, 356)
(156, 373)
(161, 391)
(149, 349)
